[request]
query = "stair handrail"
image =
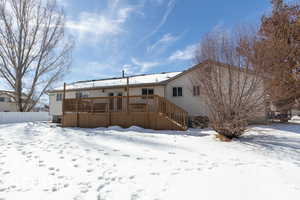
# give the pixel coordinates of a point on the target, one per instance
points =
(172, 110)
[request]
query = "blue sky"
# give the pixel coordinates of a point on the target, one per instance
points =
(146, 36)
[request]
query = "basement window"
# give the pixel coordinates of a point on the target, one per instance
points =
(177, 91)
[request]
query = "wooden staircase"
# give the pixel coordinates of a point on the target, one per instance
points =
(173, 113)
(152, 112)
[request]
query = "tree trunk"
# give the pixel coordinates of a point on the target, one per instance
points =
(18, 91)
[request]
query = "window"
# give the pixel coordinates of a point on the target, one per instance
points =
(78, 95)
(2, 99)
(81, 95)
(177, 91)
(147, 91)
(196, 90)
(59, 97)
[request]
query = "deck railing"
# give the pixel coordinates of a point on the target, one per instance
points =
(172, 111)
(149, 103)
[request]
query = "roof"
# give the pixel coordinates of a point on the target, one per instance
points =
(7, 92)
(136, 80)
(10, 93)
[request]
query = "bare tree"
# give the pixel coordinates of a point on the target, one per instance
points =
(34, 49)
(231, 87)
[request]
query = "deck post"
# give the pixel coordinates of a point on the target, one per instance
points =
(127, 94)
(92, 106)
(77, 113)
(147, 110)
(64, 97)
(156, 110)
(63, 104)
(109, 112)
(157, 107)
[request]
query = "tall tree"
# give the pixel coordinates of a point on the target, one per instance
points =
(277, 4)
(277, 51)
(35, 51)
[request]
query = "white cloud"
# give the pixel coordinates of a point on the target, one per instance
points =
(163, 43)
(170, 6)
(143, 66)
(123, 14)
(63, 2)
(186, 54)
(113, 3)
(128, 69)
(94, 27)
(95, 24)
(159, 2)
(93, 70)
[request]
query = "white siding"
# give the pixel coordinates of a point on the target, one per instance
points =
(194, 105)
(7, 106)
(158, 90)
(56, 106)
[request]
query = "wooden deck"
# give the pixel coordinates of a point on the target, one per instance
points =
(153, 112)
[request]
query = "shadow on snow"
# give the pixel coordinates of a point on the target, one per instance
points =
(276, 141)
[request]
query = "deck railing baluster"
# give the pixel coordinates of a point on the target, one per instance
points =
(151, 103)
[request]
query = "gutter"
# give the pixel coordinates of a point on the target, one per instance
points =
(107, 87)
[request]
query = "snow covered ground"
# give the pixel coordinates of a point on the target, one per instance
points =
(42, 161)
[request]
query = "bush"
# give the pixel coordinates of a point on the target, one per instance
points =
(230, 84)
(199, 122)
(230, 128)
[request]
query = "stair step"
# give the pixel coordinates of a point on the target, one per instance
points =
(174, 122)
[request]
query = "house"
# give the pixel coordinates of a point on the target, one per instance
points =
(7, 103)
(172, 95)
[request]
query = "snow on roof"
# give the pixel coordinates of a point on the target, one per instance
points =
(133, 80)
(6, 91)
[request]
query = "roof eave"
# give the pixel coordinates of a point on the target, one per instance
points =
(108, 87)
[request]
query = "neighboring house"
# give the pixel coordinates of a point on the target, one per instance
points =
(7, 103)
(176, 87)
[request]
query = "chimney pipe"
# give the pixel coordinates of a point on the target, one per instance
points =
(123, 73)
